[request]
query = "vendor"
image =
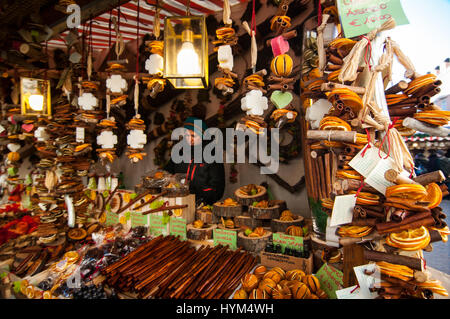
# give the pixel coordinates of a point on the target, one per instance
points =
(206, 181)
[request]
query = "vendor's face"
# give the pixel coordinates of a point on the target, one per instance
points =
(192, 138)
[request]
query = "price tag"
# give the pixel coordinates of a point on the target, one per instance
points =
(137, 219)
(330, 280)
(225, 237)
(157, 226)
(111, 218)
(284, 241)
(178, 227)
(361, 17)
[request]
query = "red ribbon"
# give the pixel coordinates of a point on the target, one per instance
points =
(353, 290)
(369, 46)
(368, 143)
(253, 18)
(319, 13)
(360, 187)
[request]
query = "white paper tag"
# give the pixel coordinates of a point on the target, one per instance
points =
(330, 235)
(2, 129)
(352, 292)
(367, 281)
(365, 164)
(343, 209)
(80, 134)
(376, 177)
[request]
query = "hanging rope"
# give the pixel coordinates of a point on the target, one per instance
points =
(226, 13)
(254, 48)
(136, 85)
(156, 22)
(110, 29)
(89, 60)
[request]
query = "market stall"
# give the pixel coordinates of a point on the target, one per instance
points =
(91, 102)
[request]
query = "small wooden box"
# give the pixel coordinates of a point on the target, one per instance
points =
(187, 213)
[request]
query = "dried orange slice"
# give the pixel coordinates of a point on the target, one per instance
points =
(434, 195)
(409, 191)
(354, 231)
(433, 285)
(411, 239)
(365, 198)
(47, 294)
(444, 232)
(327, 203)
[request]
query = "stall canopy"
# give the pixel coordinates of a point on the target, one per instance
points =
(102, 31)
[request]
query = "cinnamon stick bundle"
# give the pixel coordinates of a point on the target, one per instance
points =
(415, 221)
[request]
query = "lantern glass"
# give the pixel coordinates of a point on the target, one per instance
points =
(35, 96)
(186, 52)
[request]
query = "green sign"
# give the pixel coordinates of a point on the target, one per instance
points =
(137, 219)
(111, 218)
(225, 237)
(284, 240)
(330, 280)
(157, 226)
(178, 227)
(362, 16)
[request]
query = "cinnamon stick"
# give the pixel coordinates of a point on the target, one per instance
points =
(163, 208)
(331, 135)
(400, 86)
(151, 200)
(327, 173)
(372, 255)
(323, 188)
(132, 202)
(431, 177)
(403, 225)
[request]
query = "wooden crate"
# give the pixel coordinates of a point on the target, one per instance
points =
(287, 262)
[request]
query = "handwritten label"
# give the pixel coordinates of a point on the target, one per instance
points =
(373, 167)
(157, 227)
(343, 210)
(362, 16)
(111, 218)
(225, 237)
(367, 281)
(330, 280)
(284, 240)
(352, 292)
(137, 219)
(178, 227)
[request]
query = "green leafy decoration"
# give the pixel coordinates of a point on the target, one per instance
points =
(156, 204)
(320, 216)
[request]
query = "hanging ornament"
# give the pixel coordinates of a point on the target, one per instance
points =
(254, 103)
(226, 38)
(155, 62)
(281, 67)
(107, 139)
(136, 138)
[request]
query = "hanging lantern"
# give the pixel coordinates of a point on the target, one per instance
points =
(186, 52)
(35, 96)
